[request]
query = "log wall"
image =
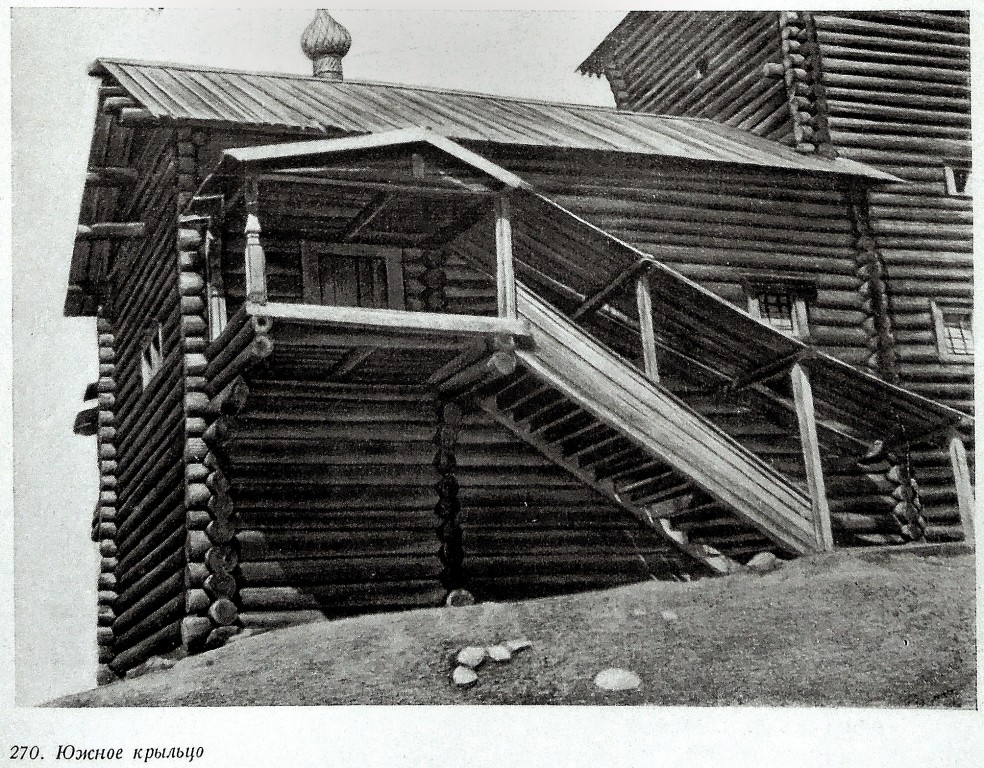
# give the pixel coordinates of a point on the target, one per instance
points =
(528, 528)
(898, 95)
(897, 90)
(725, 227)
(149, 537)
(704, 65)
(334, 490)
(890, 89)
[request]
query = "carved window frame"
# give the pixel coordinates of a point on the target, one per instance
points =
(798, 292)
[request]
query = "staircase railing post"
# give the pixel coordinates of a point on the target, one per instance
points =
(647, 331)
(256, 285)
(806, 416)
(965, 490)
(505, 274)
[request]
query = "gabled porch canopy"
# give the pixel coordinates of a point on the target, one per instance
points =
(580, 268)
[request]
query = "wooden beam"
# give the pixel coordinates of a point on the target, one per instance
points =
(764, 373)
(116, 103)
(965, 490)
(111, 176)
(505, 274)
(256, 288)
(597, 299)
(383, 185)
(362, 318)
(111, 230)
(803, 398)
(350, 362)
(644, 301)
(368, 213)
(130, 116)
(395, 289)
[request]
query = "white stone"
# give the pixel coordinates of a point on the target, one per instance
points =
(669, 615)
(764, 562)
(617, 679)
(519, 644)
(464, 677)
(471, 656)
(499, 653)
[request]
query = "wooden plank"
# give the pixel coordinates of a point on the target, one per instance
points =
(644, 301)
(803, 397)
(395, 290)
(965, 490)
(505, 274)
(359, 318)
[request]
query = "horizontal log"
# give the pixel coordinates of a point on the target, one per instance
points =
(148, 557)
(275, 619)
(325, 571)
(222, 612)
(111, 176)
(153, 622)
(111, 231)
(194, 631)
(147, 603)
(164, 639)
(397, 594)
(135, 116)
(295, 544)
(540, 585)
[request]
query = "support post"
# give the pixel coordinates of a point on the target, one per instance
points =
(256, 289)
(805, 415)
(644, 301)
(965, 490)
(505, 275)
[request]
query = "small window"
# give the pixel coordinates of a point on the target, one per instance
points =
(152, 357)
(782, 307)
(954, 332)
(957, 180)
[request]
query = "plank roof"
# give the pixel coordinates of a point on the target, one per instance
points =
(195, 94)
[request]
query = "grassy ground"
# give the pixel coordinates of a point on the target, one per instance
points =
(861, 629)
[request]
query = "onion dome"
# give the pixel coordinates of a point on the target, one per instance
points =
(325, 42)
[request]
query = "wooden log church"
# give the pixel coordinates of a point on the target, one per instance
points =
(362, 346)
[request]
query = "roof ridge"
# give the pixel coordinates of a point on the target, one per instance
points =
(385, 84)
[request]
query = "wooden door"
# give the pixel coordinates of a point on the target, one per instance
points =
(352, 276)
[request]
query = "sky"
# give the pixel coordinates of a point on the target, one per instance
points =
(53, 105)
(54, 566)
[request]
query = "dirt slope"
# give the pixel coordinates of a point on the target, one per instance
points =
(842, 629)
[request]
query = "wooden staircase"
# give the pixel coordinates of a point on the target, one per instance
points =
(604, 422)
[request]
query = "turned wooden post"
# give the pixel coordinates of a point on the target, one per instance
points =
(505, 275)
(803, 398)
(256, 289)
(647, 332)
(965, 490)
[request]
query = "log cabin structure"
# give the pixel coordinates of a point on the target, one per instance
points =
(888, 88)
(362, 346)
